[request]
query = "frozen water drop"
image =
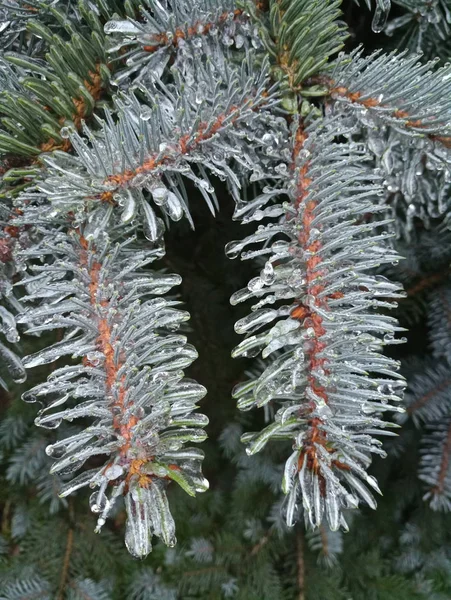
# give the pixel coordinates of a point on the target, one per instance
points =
(314, 233)
(174, 207)
(159, 194)
(114, 472)
(239, 41)
(268, 275)
(385, 388)
(380, 15)
(255, 284)
(233, 249)
(146, 113)
(12, 335)
(55, 451)
(120, 26)
(29, 396)
(20, 377)
(201, 92)
(48, 423)
(49, 450)
(97, 502)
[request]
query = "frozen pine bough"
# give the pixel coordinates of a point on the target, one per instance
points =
(129, 379)
(315, 302)
(93, 211)
(124, 119)
(180, 31)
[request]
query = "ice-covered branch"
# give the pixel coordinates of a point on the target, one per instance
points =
(331, 380)
(179, 131)
(129, 380)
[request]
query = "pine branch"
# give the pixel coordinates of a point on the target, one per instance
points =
(86, 589)
(66, 564)
(14, 17)
(177, 26)
(42, 98)
(151, 145)
(301, 37)
(439, 320)
(422, 28)
(130, 379)
(413, 100)
(330, 334)
(427, 396)
(328, 544)
(427, 282)
(434, 466)
(147, 585)
(83, 214)
(34, 588)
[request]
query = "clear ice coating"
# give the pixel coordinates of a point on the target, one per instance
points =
(225, 29)
(160, 137)
(323, 373)
(130, 384)
(148, 514)
(13, 364)
(318, 346)
(380, 17)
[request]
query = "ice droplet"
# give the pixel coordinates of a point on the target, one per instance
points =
(323, 411)
(12, 335)
(255, 320)
(314, 234)
(29, 396)
(66, 132)
(98, 501)
(114, 472)
(129, 207)
(159, 194)
(201, 92)
(380, 15)
(386, 389)
(153, 226)
(146, 113)
(174, 208)
(48, 423)
(255, 284)
(55, 452)
(233, 249)
(267, 275)
(121, 27)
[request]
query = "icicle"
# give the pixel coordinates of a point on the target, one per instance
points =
(13, 364)
(380, 15)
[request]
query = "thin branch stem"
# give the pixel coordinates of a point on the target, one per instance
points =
(261, 543)
(5, 517)
(300, 562)
(67, 555)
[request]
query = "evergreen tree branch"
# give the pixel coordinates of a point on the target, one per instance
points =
(174, 27)
(413, 101)
(434, 469)
(130, 380)
(427, 396)
(40, 100)
(303, 35)
(330, 300)
(179, 135)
